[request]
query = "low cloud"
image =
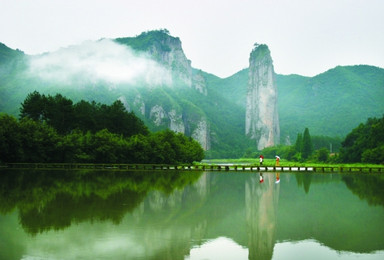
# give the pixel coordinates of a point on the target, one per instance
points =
(102, 61)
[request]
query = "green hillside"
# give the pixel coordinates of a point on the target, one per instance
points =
(329, 104)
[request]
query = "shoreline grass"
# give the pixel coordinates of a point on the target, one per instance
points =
(283, 162)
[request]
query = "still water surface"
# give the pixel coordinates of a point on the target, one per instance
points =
(190, 215)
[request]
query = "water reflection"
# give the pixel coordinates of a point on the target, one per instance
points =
(177, 215)
(261, 203)
(54, 200)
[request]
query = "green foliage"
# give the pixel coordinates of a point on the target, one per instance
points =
(364, 143)
(38, 141)
(33, 106)
(124, 138)
(60, 113)
(283, 151)
(374, 155)
(10, 139)
(27, 141)
(307, 148)
(299, 142)
(178, 147)
(302, 150)
(321, 155)
(31, 141)
(330, 104)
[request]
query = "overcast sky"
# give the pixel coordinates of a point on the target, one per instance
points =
(306, 37)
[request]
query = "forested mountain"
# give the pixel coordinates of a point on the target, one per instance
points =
(152, 77)
(329, 104)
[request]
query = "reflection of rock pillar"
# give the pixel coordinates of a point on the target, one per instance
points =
(261, 200)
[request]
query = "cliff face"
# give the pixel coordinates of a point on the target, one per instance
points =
(163, 107)
(168, 51)
(197, 128)
(262, 120)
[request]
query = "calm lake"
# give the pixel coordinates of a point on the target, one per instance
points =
(190, 215)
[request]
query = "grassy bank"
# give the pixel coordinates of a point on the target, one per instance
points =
(283, 162)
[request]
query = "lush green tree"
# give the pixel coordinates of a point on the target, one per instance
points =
(299, 142)
(163, 148)
(84, 117)
(321, 155)
(38, 140)
(59, 113)
(363, 144)
(352, 147)
(307, 148)
(290, 153)
(192, 150)
(88, 132)
(120, 121)
(10, 139)
(374, 155)
(106, 147)
(140, 150)
(33, 106)
(76, 147)
(56, 110)
(171, 147)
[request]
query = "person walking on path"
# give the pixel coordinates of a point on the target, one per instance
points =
(277, 160)
(261, 159)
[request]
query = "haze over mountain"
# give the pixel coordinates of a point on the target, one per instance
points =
(152, 76)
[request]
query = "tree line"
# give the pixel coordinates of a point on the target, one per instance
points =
(54, 129)
(306, 148)
(364, 144)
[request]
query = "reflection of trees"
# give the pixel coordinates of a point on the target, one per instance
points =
(369, 188)
(304, 179)
(169, 216)
(55, 199)
(261, 213)
(65, 209)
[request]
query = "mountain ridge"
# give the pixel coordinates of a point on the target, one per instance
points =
(208, 107)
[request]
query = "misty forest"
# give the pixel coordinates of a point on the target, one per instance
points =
(139, 100)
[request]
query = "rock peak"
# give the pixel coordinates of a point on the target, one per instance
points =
(260, 52)
(262, 120)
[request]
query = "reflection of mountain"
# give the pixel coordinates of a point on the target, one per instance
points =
(256, 216)
(330, 214)
(162, 215)
(261, 212)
